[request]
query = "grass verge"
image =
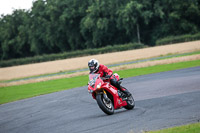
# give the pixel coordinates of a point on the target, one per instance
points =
(178, 55)
(191, 128)
(13, 93)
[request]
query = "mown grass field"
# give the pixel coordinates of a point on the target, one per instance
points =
(13, 93)
(191, 128)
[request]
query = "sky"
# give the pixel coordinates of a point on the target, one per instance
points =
(7, 6)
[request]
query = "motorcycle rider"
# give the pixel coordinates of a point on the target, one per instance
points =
(103, 70)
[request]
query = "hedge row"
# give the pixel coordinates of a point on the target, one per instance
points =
(79, 53)
(178, 39)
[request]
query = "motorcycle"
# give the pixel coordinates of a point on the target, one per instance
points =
(108, 97)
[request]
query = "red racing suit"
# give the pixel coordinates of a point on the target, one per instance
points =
(104, 71)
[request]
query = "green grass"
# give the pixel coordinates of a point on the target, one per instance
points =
(13, 93)
(158, 68)
(191, 128)
(41, 75)
(179, 55)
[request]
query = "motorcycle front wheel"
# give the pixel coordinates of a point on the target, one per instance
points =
(106, 106)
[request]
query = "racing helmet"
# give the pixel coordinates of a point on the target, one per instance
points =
(93, 65)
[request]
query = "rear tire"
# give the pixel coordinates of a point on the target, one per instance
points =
(130, 103)
(106, 107)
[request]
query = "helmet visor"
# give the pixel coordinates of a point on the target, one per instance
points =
(92, 68)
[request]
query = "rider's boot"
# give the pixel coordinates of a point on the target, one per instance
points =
(123, 90)
(126, 92)
(118, 86)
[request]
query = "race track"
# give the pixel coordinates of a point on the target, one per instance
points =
(162, 100)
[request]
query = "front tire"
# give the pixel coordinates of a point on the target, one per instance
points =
(106, 107)
(130, 103)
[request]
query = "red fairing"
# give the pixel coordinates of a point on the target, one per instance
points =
(113, 91)
(96, 81)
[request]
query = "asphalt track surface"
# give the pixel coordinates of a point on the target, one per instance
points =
(163, 100)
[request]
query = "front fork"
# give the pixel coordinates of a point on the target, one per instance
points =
(105, 96)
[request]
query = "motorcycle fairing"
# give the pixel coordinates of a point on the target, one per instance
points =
(92, 88)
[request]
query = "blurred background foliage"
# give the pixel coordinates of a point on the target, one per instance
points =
(61, 26)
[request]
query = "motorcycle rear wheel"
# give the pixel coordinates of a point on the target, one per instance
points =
(106, 107)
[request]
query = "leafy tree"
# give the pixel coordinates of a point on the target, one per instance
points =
(55, 26)
(99, 26)
(38, 28)
(133, 15)
(180, 17)
(13, 35)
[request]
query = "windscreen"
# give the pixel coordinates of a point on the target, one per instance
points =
(92, 79)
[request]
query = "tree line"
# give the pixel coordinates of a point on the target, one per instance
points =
(56, 26)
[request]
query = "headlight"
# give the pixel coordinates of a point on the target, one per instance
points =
(99, 86)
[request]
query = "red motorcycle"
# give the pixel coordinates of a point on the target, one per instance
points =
(107, 96)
